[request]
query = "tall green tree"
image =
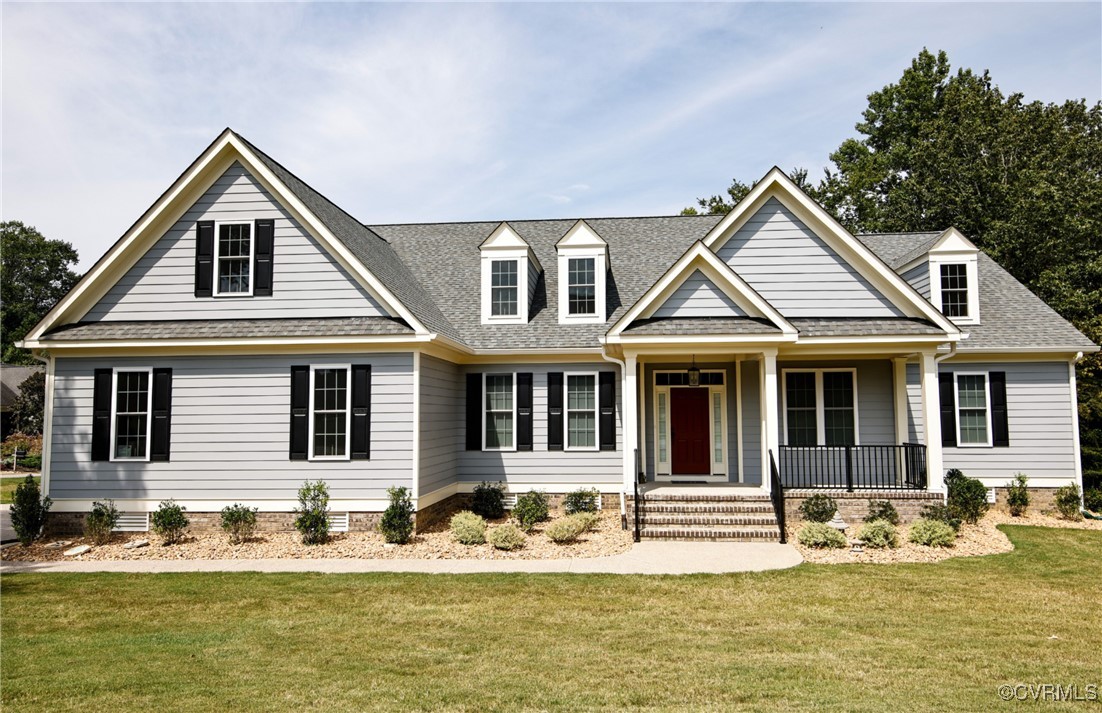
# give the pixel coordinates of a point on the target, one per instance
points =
(35, 273)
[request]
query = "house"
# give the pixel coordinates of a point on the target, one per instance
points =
(246, 334)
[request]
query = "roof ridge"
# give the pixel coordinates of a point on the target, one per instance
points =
(536, 220)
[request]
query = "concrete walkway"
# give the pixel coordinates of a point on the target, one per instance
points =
(642, 558)
(7, 532)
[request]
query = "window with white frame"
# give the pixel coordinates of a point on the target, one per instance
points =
(501, 417)
(581, 411)
(582, 286)
(130, 419)
(820, 407)
(233, 259)
(503, 288)
(329, 413)
(954, 289)
(973, 410)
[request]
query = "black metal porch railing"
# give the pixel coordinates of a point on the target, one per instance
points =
(776, 493)
(854, 467)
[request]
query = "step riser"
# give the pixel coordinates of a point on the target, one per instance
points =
(665, 508)
(707, 518)
(713, 535)
(762, 522)
(705, 498)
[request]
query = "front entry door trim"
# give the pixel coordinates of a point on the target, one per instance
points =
(716, 418)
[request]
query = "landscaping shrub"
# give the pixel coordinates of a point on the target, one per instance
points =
(565, 529)
(239, 522)
(941, 513)
(820, 534)
(468, 528)
(169, 522)
(967, 497)
(818, 508)
(313, 512)
(586, 520)
(882, 510)
(1068, 501)
(101, 521)
(531, 508)
(932, 533)
(1017, 495)
(878, 534)
(397, 522)
(582, 500)
(1092, 500)
(29, 510)
(488, 500)
(506, 537)
(31, 462)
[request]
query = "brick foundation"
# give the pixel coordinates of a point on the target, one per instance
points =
(1040, 499)
(853, 507)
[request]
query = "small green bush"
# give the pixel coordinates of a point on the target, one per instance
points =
(101, 521)
(397, 522)
(313, 512)
(820, 534)
(29, 510)
(506, 537)
(169, 522)
(818, 508)
(1068, 501)
(882, 510)
(531, 508)
(582, 500)
(488, 500)
(586, 520)
(565, 529)
(932, 533)
(1092, 500)
(33, 462)
(1017, 495)
(239, 522)
(468, 528)
(943, 514)
(878, 534)
(967, 498)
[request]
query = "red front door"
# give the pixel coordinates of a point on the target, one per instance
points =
(689, 421)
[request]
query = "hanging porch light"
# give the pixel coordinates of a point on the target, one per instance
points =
(694, 373)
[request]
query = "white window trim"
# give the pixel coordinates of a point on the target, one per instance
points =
(566, 411)
(599, 270)
(485, 410)
(971, 273)
(664, 468)
(217, 257)
(520, 256)
(148, 412)
(820, 406)
(987, 406)
(347, 416)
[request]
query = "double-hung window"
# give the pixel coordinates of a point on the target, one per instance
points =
(820, 407)
(233, 259)
(582, 286)
(581, 411)
(500, 408)
(130, 419)
(973, 410)
(503, 288)
(954, 290)
(329, 413)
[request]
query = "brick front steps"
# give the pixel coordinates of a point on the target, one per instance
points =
(706, 517)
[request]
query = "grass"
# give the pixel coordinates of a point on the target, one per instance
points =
(826, 638)
(8, 486)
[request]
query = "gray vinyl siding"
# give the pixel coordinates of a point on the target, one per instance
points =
(751, 429)
(230, 432)
(919, 277)
(442, 422)
(797, 272)
(568, 469)
(1039, 406)
(306, 282)
(875, 398)
(916, 420)
(699, 297)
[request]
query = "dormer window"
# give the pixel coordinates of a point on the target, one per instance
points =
(953, 263)
(581, 286)
(510, 272)
(503, 288)
(583, 261)
(954, 290)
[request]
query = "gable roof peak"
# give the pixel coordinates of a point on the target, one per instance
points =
(581, 235)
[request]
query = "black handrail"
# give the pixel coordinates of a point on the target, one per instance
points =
(852, 468)
(776, 493)
(635, 503)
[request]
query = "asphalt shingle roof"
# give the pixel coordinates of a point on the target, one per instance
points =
(898, 249)
(230, 329)
(861, 327)
(11, 378)
(670, 326)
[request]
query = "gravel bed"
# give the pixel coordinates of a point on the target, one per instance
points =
(983, 538)
(436, 543)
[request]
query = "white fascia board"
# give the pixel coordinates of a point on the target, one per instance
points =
(1032, 353)
(710, 339)
(169, 344)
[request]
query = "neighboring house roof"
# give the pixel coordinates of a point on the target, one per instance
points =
(231, 329)
(11, 378)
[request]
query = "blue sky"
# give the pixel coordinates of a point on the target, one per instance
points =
(412, 113)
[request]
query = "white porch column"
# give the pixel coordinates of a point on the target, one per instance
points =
(931, 418)
(902, 407)
(630, 414)
(770, 418)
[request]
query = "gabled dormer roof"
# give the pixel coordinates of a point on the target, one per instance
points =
(582, 236)
(505, 239)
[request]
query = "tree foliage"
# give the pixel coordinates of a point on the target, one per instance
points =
(26, 411)
(34, 274)
(1023, 180)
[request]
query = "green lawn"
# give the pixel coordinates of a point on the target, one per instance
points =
(825, 638)
(8, 486)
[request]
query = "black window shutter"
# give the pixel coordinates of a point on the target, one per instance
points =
(554, 411)
(474, 412)
(607, 403)
(101, 415)
(1000, 426)
(361, 411)
(948, 409)
(263, 252)
(524, 411)
(300, 420)
(160, 444)
(204, 258)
